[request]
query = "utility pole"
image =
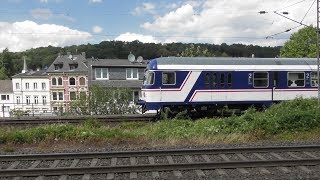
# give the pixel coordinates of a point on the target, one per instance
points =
(318, 61)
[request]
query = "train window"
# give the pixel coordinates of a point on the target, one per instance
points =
(229, 80)
(168, 78)
(314, 79)
(215, 80)
(222, 80)
(207, 80)
(149, 79)
(296, 79)
(260, 79)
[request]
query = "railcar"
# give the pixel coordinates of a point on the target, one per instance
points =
(209, 83)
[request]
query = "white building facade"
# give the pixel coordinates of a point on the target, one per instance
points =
(6, 98)
(31, 92)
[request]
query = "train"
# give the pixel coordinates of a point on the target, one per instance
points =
(207, 84)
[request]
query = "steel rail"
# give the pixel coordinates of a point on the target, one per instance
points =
(174, 152)
(106, 119)
(157, 167)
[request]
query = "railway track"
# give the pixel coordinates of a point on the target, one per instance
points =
(77, 120)
(162, 163)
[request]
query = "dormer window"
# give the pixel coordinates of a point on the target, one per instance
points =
(73, 66)
(58, 66)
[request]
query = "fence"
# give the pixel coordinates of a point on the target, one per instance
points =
(21, 109)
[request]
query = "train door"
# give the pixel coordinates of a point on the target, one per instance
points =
(208, 84)
(275, 83)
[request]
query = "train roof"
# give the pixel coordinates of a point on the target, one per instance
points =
(227, 63)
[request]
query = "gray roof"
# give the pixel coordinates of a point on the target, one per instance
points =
(6, 86)
(234, 61)
(116, 63)
(40, 73)
(66, 60)
(118, 83)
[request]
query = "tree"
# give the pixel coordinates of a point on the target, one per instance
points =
(3, 73)
(194, 51)
(301, 44)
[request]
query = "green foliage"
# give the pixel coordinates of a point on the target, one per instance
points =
(194, 51)
(3, 73)
(44, 56)
(292, 117)
(104, 101)
(301, 44)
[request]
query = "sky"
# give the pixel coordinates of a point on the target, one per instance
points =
(26, 24)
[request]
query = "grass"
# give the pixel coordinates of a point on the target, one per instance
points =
(293, 120)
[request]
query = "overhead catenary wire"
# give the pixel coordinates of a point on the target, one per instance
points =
(300, 23)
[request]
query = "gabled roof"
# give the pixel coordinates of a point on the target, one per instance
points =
(40, 73)
(66, 60)
(116, 63)
(6, 86)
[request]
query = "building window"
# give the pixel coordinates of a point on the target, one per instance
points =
(27, 85)
(295, 79)
(168, 78)
(54, 81)
(72, 82)
(44, 100)
(135, 96)
(58, 66)
(73, 96)
(82, 81)
(35, 85)
(60, 81)
(17, 86)
(4, 97)
(28, 100)
(73, 66)
(57, 96)
(18, 99)
(36, 99)
(54, 96)
(43, 85)
(260, 79)
(60, 95)
(132, 73)
(102, 73)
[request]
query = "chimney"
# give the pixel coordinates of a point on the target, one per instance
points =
(252, 56)
(59, 54)
(25, 69)
(38, 69)
(84, 54)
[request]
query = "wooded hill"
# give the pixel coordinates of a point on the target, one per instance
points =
(11, 63)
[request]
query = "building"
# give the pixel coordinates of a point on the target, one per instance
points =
(31, 92)
(117, 73)
(68, 79)
(6, 98)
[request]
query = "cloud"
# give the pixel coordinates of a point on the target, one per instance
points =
(41, 13)
(97, 29)
(20, 36)
(128, 37)
(95, 1)
(146, 7)
(233, 21)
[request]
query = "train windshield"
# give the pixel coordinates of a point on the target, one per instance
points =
(149, 78)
